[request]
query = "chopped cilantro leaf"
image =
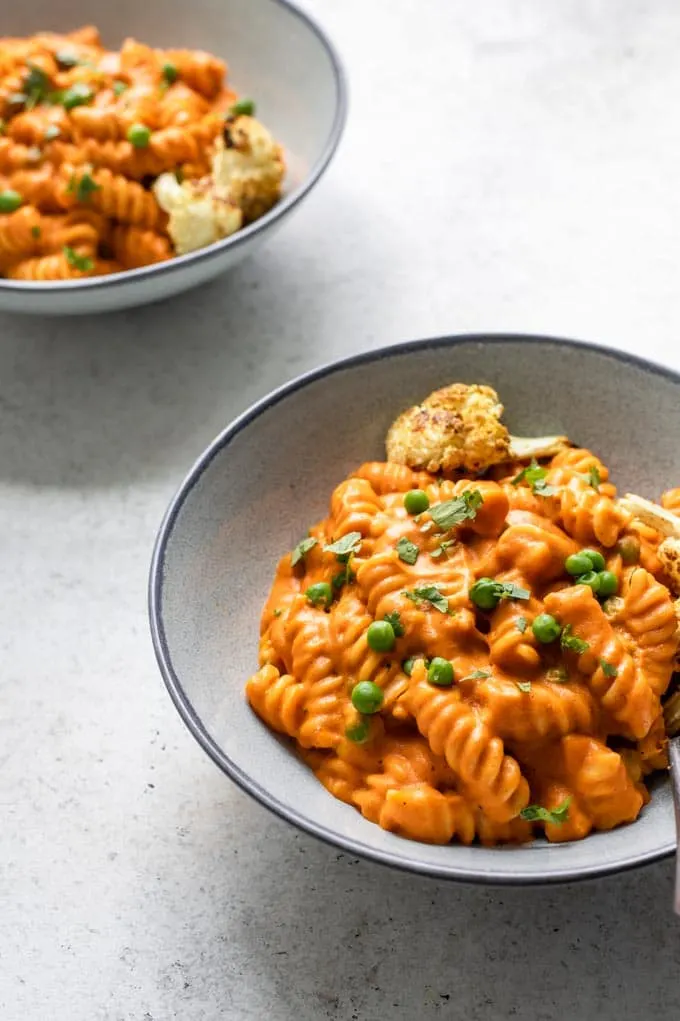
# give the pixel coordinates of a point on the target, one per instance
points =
(608, 669)
(301, 549)
(429, 594)
(521, 624)
(345, 547)
(534, 475)
(524, 686)
(476, 675)
(395, 620)
(81, 262)
(571, 642)
(453, 512)
(407, 550)
(557, 815)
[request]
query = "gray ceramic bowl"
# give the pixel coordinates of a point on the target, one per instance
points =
(275, 53)
(256, 489)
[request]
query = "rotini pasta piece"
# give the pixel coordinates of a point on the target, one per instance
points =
(118, 198)
(39, 188)
(576, 462)
(671, 500)
(648, 616)
(201, 71)
(14, 156)
(354, 506)
(278, 699)
(133, 246)
(653, 748)
(58, 267)
(591, 516)
(543, 710)
(535, 546)
(490, 832)
(622, 689)
(181, 105)
(489, 519)
(454, 730)
(512, 645)
(600, 781)
(387, 477)
(18, 233)
(352, 655)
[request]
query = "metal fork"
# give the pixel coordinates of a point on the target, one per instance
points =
(674, 757)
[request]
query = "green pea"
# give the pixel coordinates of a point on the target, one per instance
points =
(408, 665)
(320, 594)
(578, 563)
(591, 579)
(416, 501)
(629, 548)
(596, 559)
(380, 636)
(139, 135)
(170, 73)
(359, 732)
(10, 200)
(77, 95)
(484, 594)
(609, 584)
(440, 672)
(545, 628)
(242, 107)
(367, 697)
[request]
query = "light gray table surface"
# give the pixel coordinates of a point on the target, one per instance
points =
(507, 165)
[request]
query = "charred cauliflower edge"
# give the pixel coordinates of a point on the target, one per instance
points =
(245, 182)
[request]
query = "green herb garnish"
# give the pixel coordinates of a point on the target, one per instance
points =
(301, 549)
(81, 262)
(571, 642)
(534, 475)
(524, 686)
(608, 669)
(120, 87)
(592, 477)
(407, 550)
(429, 594)
(521, 624)
(345, 547)
(395, 621)
(476, 675)
(536, 813)
(453, 512)
(443, 546)
(82, 188)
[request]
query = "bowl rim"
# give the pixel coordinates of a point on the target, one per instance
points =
(193, 721)
(277, 212)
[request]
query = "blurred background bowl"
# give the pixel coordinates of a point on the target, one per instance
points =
(275, 53)
(269, 476)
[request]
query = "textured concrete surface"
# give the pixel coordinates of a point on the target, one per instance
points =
(507, 165)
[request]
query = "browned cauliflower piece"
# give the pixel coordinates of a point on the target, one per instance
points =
(457, 427)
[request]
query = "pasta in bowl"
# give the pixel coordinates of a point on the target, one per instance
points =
(114, 160)
(144, 157)
(258, 488)
(478, 650)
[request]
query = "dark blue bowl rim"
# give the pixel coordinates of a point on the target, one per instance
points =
(183, 703)
(278, 211)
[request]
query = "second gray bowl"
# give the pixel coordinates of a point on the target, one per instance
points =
(255, 491)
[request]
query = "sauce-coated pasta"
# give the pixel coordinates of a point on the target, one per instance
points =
(489, 668)
(85, 132)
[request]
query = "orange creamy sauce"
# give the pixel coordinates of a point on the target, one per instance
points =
(524, 722)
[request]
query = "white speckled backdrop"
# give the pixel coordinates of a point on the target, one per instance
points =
(511, 165)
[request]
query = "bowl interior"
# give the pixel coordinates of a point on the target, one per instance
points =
(269, 476)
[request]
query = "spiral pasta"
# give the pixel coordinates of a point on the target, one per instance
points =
(83, 128)
(451, 661)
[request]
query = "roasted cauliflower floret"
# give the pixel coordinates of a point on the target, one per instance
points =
(458, 427)
(197, 213)
(249, 167)
(245, 182)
